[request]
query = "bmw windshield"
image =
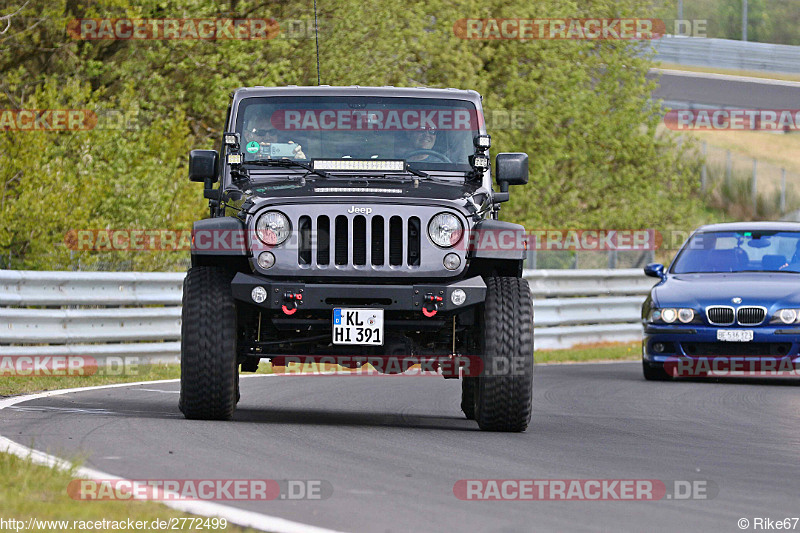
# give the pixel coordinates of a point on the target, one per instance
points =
(429, 134)
(740, 251)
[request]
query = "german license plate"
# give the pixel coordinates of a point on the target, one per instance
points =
(358, 326)
(735, 335)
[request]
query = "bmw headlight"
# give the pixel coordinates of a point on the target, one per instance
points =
(669, 315)
(786, 316)
(445, 230)
(273, 228)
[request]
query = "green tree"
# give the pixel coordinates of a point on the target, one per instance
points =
(596, 158)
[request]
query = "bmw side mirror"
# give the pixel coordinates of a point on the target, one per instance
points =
(654, 270)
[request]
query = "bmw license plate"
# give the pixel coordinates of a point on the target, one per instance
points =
(358, 326)
(735, 335)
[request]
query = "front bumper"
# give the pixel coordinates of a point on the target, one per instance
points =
(281, 295)
(700, 341)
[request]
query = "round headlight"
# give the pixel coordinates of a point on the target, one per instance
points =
(272, 228)
(669, 315)
(685, 315)
(788, 316)
(445, 230)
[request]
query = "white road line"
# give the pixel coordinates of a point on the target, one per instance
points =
(726, 77)
(240, 517)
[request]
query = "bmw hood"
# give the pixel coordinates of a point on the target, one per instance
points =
(701, 290)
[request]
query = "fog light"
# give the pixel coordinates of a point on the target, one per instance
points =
(452, 261)
(458, 297)
(258, 294)
(658, 347)
(266, 260)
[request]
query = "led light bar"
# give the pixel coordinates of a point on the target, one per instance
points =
(397, 165)
(234, 159)
(376, 190)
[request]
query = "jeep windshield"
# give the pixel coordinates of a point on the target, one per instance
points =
(429, 134)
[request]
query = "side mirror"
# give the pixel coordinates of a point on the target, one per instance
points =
(511, 169)
(203, 165)
(654, 270)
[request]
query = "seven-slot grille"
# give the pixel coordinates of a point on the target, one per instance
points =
(359, 240)
(720, 315)
(750, 316)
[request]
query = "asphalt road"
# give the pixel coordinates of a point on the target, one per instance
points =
(726, 91)
(393, 447)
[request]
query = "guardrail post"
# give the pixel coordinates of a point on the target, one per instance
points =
(612, 259)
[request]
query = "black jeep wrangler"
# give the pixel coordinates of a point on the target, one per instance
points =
(358, 224)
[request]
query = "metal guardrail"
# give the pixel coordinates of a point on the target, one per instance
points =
(103, 314)
(726, 53)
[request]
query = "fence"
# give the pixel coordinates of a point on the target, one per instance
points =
(103, 314)
(730, 54)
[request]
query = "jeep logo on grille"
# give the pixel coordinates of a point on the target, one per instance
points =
(360, 210)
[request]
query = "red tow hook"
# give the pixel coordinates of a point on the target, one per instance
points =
(431, 299)
(292, 298)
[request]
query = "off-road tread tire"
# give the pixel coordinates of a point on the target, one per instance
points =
(503, 403)
(654, 373)
(209, 370)
(468, 385)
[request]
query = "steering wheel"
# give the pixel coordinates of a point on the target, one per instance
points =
(433, 153)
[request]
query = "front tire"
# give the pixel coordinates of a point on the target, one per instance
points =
(654, 373)
(468, 386)
(503, 401)
(209, 370)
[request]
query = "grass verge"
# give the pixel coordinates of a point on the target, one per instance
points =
(31, 491)
(593, 352)
(13, 385)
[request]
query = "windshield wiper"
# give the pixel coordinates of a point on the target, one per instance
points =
(417, 172)
(287, 163)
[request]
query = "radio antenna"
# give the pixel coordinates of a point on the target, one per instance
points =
(316, 38)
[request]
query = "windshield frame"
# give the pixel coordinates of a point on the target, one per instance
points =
(433, 100)
(742, 246)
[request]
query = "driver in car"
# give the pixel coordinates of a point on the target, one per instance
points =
(260, 134)
(422, 139)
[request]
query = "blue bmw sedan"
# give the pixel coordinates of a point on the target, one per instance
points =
(730, 301)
